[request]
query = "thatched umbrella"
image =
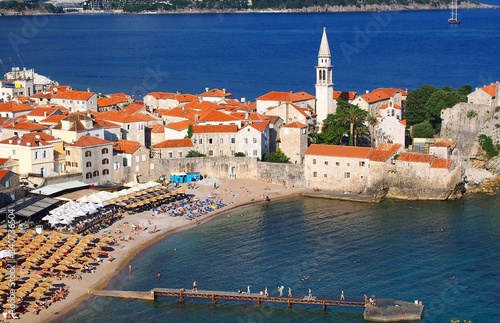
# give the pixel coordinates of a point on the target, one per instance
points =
(61, 267)
(85, 258)
(45, 284)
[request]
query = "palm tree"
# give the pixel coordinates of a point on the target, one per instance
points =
(360, 130)
(353, 115)
(372, 121)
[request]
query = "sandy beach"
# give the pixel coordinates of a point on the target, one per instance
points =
(235, 193)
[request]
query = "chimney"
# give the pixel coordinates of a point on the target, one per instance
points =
(45, 114)
(37, 136)
(367, 91)
(224, 90)
(206, 89)
(88, 89)
(247, 115)
(243, 100)
(196, 117)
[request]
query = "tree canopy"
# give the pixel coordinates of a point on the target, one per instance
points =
(194, 153)
(276, 157)
(423, 130)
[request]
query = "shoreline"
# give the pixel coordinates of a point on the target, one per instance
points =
(81, 291)
(376, 8)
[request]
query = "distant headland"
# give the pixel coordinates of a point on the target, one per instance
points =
(20, 8)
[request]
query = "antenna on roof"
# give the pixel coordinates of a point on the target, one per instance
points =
(24, 69)
(5, 68)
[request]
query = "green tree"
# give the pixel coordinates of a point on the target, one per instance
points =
(353, 115)
(423, 130)
(194, 153)
(332, 131)
(189, 132)
(372, 122)
(239, 154)
(276, 157)
(439, 101)
(488, 146)
(464, 90)
(415, 104)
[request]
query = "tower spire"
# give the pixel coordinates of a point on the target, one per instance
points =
(324, 49)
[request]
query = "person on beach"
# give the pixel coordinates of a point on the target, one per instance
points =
(310, 294)
(195, 289)
(342, 296)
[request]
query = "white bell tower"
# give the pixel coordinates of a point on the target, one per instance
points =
(324, 83)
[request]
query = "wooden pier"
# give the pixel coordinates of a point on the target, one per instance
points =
(385, 311)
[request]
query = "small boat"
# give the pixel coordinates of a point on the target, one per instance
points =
(454, 13)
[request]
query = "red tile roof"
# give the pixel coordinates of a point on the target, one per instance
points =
(3, 160)
(3, 173)
(107, 102)
(381, 94)
(13, 106)
(88, 141)
(35, 139)
(214, 128)
(162, 95)
(214, 115)
(490, 89)
(215, 93)
(415, 158)
(41, 112)
(174, 143)
(338, 151)
(23, 124)
(441, 163)
(52, 119)
(403, 122)
(117, 116)
(259, 126)
(204, 105)
(126, 146)
(383, 152)
(385, 106)
(119, 95)
(295, 125)
(346, 96)
(285, 96)
(444, 143)
(73, 95)
(181, 125)
(185, 98)
(133, 107)
(158, 128)
(106, 124)
(180, 112)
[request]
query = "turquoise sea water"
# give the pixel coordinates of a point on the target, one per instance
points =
(395, 249)
(252, 54)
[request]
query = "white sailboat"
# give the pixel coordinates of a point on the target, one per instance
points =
(454, 13)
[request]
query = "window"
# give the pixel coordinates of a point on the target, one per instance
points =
(221, 152)
(137, 159)
(117, 165)
(105, 172)
(180, 154)
(348, 164)
(96, 173)
(232, 152)
(325, 175)
(88, 175)
(152, 166)
(210, 153)
(314, 161)
(254, 140)
(315, 174)
(88, 164)
(326, 163)
(210, 141)
(221, 140)
(347, 175)
(201, 141)
(129, 127)
(88, 154)
(137, 168)
(361, 164)
(255, 152)
(143, 157)
(233, 140)
(14, 152)
(37, 155)
(140, 126)
(337, 164)
(45, 154)
(7, 184)
(75, 164)
(104, 151)
(105, 161)
(246, 140)
(170, 154)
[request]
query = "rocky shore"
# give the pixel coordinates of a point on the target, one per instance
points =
(315, 9)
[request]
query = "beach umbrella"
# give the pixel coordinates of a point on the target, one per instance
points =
(49, 279)
(61, 267)
(45, 284)
(36, 276)
(3, 270)
(85, 258)
(101, 244)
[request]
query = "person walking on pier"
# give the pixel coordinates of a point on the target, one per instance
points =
(342, 296)
(310, 294)
(248, 289)
(280, 290)
(289, 291)
(195, 289)
(265, 292)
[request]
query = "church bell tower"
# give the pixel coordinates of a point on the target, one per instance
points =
(324, 83)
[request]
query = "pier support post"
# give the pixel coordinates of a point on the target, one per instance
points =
(258, 301)
(289, 304)
(182, 298)
(213, 299)
(324, 306)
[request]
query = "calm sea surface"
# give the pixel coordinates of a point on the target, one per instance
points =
(387, 250)
(252, 54)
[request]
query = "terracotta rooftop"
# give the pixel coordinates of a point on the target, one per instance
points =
(3, 173)
(441, 163)
(181, 98)
(338, 151)
(214, 128)
(117, 116)
(259, 126)
(106, 123)
(3, 160)
(162, 95)
(415, 158)
(106, 102)
(389, 105)
(181, 125)
(344, 95)
(126, 146)
(383, 152)
(295, 125)
(41, 112)
(180, 113)
(13, 106)
(215, 93)
(158, 128)
(133, 107)
(381, 94)
(35, 139)
(204, 105)
(444, 143)
(285, 96)
(490, 89)
(73, 95)
(52, 119)
(174, 143)
(23, 124)
(88, 141)
(214, 115)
